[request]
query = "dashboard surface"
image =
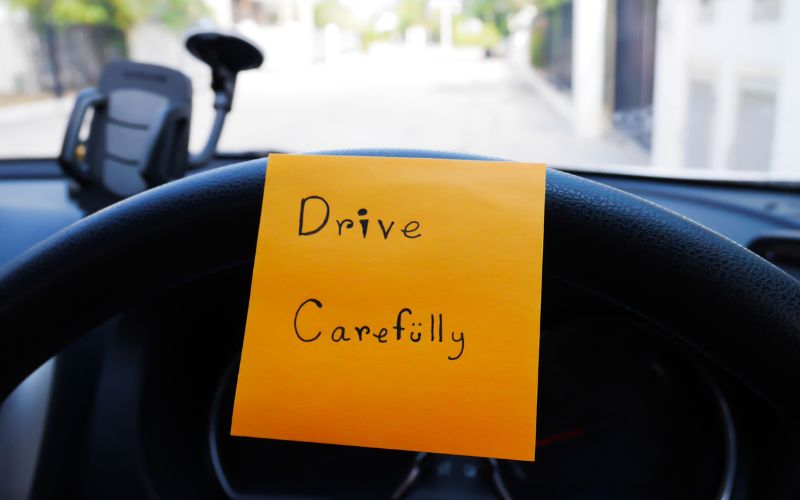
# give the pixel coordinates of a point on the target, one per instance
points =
(140, 406)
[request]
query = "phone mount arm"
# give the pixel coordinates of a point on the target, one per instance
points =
(226, 54)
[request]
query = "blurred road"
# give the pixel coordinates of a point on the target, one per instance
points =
(393, 97)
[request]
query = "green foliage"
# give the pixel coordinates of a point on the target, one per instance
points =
(411, 13)
(370, 36)
(120, 14)
(489, 37)
(549, 31)
(177, 14)
(549, 4)
(332, 12)
(496, 12)
(66, 12)
(537, 47)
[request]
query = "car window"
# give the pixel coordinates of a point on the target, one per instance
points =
(698, 87)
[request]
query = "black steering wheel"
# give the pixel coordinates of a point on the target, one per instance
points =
(718, 297)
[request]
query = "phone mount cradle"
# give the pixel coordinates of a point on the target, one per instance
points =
(141, 114)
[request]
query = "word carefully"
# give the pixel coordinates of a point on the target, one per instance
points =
(433, 330)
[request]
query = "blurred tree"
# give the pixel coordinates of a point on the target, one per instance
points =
(497, 12)
(177, 14)
(51, 16)
(119, 14)
(551, 40)
(66, 12)
(549, 4)
(487, 38)
(411, 13)
(332, 12)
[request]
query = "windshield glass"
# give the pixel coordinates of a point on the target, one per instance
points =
(690, 86)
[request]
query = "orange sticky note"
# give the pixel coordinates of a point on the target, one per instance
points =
(395, 303)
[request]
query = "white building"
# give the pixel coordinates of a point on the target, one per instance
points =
(727, 93)
(709, 84)
(18, 44)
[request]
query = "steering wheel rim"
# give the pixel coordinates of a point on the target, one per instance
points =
(730, 305)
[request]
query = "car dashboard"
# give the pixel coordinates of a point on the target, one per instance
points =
(141, 406)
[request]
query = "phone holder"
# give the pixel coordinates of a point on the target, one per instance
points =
(139, 130)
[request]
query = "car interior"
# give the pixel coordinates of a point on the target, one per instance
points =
(670, 334)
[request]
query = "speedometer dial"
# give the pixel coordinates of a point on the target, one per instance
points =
(267, 468)
(623, 415)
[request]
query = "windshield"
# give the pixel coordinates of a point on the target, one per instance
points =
(689, 86)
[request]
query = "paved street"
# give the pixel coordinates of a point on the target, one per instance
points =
(425, 98)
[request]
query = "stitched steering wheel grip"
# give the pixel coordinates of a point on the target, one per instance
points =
(721, 299)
